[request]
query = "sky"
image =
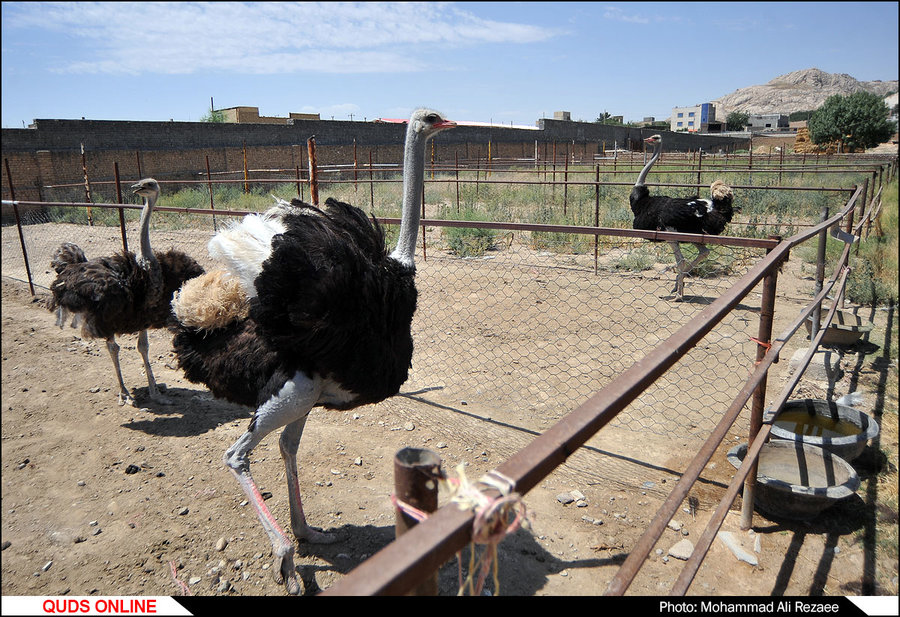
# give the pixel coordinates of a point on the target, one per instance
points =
(508, 63)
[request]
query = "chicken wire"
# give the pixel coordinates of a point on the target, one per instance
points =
(530, 328)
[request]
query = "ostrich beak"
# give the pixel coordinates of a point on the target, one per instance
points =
(445, 124)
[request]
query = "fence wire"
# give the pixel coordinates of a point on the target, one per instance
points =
(529, 327)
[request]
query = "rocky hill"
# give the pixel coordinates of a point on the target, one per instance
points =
(797, 91)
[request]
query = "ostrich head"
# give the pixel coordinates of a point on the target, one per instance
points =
(428, 122)
(655, 141)
(147, 188)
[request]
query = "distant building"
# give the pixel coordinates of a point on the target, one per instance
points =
(696, 119)
(250, 115)
(760, 123)
(562, 115)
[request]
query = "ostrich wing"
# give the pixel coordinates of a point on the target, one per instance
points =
(330, 298)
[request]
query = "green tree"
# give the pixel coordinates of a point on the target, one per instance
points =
(737, 121)
(856, 121)
(796, 116)
(213, 116)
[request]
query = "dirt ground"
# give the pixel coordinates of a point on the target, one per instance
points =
(100, 499)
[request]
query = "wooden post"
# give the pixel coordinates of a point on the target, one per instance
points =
(596, 215)
(371, 184)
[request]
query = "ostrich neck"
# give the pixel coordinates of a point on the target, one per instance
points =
(147, 256)
(643, 175)
(413, 183)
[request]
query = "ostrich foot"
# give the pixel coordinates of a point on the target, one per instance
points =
(126, 399)
(285, 573)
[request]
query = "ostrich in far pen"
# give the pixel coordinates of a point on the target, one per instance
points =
(323, 318)
(691, 215)
(122, 293)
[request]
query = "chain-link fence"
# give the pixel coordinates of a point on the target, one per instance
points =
(523, 320)
(527, 327)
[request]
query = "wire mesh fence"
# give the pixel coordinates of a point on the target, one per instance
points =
(530, 321)
(529, 326)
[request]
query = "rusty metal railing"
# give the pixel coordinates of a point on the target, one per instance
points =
(405, 562)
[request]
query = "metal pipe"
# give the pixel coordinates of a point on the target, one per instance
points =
(209, 188)
(766, 317)
(416, 475)
(406, 561)
(313, 171)
(15, 206)
(820, 273)
(121, 210)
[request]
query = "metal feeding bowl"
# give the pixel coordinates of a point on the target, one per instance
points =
(845, 329)
(798, 481)
(840, 429)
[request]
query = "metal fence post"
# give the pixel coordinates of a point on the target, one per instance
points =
(416, 475)
(820, 274)
(210, 189)
(87, 186)
(313, 172)
(121, 210)
(12, 197)
(764, 337)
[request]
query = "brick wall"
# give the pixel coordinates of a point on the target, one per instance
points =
(50, 152)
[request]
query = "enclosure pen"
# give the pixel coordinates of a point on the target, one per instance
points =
(564, 253)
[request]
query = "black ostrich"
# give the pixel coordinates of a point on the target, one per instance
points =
(328, 324)
(691, 215)
(122, 293)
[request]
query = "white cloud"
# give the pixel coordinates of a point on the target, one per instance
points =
(261, 38)
(616, 14)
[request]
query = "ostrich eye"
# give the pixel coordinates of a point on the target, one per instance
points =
(431, 118)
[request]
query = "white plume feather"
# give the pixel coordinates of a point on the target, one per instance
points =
(244, 246)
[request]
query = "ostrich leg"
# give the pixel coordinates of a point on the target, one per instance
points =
(143, 345)
(703, 253)
(288, 444)
(124, 395)
(287, 408)
(678, 290)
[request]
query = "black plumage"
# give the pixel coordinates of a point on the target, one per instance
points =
(329, 323)
(116, 294)
(329, 301)
(691, 215)
(122, 293)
